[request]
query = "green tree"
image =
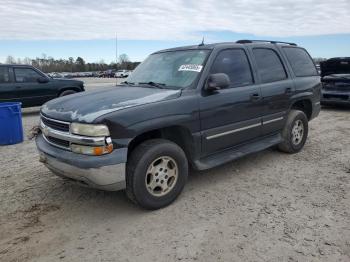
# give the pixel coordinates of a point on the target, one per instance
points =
(80, 64)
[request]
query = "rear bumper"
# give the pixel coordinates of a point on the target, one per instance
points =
(105, 172)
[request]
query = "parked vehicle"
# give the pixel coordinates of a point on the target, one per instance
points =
(122, 73)
(31, 87)
(201, 106)
(108, 73)
(335, 73)
(55, 75)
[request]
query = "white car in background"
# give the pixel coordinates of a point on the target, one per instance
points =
(122, 73)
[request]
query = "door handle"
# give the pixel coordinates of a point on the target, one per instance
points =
(254, 97)
(17, 87)
(288, 90)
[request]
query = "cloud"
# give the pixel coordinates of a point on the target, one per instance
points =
(167, 20)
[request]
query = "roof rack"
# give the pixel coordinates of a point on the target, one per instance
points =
(266, 41)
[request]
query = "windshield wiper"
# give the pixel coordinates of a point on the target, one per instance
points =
(153, 84)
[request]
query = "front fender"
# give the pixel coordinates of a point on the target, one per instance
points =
(129, 123)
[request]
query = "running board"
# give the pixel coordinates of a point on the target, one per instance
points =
(237, 152)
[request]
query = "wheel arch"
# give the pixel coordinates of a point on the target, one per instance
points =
(304, 105)
(177, 134)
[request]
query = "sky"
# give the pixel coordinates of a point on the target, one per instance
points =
(87, 28)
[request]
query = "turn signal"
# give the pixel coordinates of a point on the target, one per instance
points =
(92, 150)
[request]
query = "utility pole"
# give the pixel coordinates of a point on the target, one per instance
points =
(116, 56)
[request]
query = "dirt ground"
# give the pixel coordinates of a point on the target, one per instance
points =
(267, 206)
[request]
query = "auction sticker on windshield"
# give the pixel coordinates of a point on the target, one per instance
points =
(191, 67)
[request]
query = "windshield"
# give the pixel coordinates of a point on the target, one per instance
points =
(175, 70)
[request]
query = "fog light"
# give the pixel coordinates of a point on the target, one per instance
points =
(92, 150)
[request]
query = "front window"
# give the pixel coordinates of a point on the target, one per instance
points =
(234, 63)
(26, 75)
(174, 70)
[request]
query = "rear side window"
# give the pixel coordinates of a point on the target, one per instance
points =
(270, 67)
(300, 61)
(26, 75)
(4, 75)
(234, 63)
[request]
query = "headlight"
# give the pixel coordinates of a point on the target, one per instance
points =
(92, 150)
(89, 130)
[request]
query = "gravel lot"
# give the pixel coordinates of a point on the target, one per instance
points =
(267, 206)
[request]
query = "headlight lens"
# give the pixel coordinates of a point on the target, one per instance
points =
(89, 130)
(92, 150)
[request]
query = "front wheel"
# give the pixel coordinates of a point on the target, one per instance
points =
(156, 173)
(295, 132)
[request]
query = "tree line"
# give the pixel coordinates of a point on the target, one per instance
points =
(48, 64)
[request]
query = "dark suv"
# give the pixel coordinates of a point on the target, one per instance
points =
(335, 74)
(26, 84)
(199, 105)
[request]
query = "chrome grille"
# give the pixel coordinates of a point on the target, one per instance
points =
(57, 133)
(59, 142)
(55, 124)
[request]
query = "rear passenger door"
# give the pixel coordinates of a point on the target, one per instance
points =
(276, 85)
(230, 116)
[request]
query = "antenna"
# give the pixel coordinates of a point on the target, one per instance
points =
(201, 44)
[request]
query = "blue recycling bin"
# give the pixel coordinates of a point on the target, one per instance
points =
(11, 130)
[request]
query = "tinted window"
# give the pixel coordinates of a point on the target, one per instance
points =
(4, 75)
(235, 64)
(300, 61)
(25, 75)
(270, 67)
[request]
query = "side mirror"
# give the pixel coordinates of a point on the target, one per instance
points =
(42, 80)
(217, 81)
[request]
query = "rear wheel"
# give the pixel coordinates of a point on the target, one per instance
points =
(156, 173)
(295, 132)
(67, 92)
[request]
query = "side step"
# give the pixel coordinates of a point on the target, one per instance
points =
(237, 152)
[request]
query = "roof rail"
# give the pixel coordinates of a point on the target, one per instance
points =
(266, 41)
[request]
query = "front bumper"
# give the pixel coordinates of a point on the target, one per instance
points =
(335, 97)
(106, 172)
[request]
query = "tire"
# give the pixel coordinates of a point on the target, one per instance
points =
(294, 139)
(142, 173)
(67, 92)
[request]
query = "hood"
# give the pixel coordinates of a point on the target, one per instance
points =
(87, 106)
(335, 66)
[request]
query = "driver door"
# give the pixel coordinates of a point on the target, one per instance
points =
(30, 91)
(231, 116)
